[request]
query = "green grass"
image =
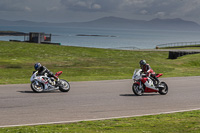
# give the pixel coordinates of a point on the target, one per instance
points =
(186, 122)
(81, 64)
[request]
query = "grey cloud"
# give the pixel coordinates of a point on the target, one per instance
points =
(91, 9)
(142, 7)
(14, 5)
(91, 5)
(108, 5)
(136, 9)
(29, 5)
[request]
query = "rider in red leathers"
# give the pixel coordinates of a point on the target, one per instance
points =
(146, 69)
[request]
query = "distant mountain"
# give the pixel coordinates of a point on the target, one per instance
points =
(173, 24)
(116, 22)
(161, 24)
(22, 23)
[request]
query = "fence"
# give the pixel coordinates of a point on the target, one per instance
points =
(179, 44)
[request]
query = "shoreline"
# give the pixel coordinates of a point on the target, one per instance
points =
(12, 33)
(96, 35)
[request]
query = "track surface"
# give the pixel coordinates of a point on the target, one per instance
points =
(93, 100)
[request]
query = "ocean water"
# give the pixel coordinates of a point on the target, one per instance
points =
(123, 38)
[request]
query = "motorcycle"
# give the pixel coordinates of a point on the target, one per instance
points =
(45, 83)
(143, 84)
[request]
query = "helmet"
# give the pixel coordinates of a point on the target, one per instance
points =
(37, 66)
(142, 62)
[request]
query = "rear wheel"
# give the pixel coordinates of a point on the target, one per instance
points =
(163, 90)
(37, 86)
(137, 90)
(64, 85)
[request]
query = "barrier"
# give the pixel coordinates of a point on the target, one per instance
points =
(176, 54)
(179, 44)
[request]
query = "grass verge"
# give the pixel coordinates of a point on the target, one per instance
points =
(81, 64)
(185, 122)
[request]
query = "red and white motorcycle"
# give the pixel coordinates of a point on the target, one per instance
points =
(143, 84)
(45, 83)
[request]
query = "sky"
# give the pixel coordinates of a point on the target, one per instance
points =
(87, 10)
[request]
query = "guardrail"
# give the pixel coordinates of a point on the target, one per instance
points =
(179, 44)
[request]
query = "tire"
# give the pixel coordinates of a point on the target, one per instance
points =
(65, 86)
(136, 90)
(163, 90)
(37, 88)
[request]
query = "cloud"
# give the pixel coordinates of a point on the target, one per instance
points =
(81, 5)
(92, 9)
(96, 6)
(26, 8)
(144, 12)
(108, 5)
(29, 5)
(14, 5)
(160, 14)
(188, 8)
(90, 5)
(162, 8)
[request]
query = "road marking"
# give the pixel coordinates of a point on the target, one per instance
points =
(74, 121)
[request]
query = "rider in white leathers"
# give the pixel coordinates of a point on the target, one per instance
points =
(42, 70)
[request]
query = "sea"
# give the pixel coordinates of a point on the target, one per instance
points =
(106, 37)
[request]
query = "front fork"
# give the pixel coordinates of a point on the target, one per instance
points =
(139, 82)
(36, 83)
(140, 86)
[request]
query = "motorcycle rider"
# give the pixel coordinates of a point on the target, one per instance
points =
(148, 71)
(42, 70)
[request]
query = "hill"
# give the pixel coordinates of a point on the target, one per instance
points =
(116, 22)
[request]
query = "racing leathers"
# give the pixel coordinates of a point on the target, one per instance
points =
(146, 69)
(42, 70)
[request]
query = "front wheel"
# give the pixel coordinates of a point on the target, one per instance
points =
(163, 90)
(64, 85)
(37, 86)
(137, 90)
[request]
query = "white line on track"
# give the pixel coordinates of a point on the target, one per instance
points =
(74, 121)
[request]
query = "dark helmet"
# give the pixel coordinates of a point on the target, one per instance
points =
(142, 62)
(37, 66)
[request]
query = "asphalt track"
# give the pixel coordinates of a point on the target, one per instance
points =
(94, 100)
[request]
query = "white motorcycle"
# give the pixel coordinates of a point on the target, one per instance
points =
(45, 83)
